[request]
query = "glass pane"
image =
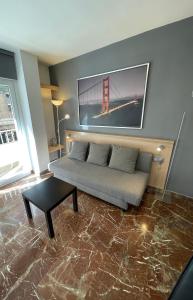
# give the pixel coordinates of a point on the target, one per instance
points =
(10, 151)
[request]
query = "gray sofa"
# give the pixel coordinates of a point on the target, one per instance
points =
(114, 186)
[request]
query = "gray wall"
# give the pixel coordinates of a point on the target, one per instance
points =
(169, 50)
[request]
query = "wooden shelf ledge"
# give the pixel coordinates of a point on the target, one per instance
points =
(49, 87)
(52, 149)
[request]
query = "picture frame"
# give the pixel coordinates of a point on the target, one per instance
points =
(113, 99)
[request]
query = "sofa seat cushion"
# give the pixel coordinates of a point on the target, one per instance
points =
(121, 185)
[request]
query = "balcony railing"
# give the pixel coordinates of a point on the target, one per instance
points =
(8, 136)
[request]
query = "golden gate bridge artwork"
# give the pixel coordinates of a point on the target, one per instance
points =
(115, 99)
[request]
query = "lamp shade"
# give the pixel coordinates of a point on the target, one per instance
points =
(57, 102)
(160, 148)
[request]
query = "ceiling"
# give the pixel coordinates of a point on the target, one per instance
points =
(57, 30)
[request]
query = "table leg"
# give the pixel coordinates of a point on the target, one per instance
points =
(75, 202)
(27, 208)
(49, 224)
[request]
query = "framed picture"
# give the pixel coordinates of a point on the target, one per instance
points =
(114, 99)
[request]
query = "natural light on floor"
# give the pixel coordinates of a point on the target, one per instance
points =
(9, 160)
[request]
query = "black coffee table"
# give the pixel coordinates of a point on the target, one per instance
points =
(46, 196)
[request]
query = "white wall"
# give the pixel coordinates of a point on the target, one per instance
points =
(26, 115)
(37, 128)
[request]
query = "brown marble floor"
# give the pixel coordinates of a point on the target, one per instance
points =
(98, 253)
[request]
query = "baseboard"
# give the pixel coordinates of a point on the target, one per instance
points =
(180, 194)
(152, 189)
(44, 172)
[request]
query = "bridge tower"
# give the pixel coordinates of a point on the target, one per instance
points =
(106, 87)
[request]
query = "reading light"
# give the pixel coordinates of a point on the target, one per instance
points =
(160, 148)
(158, 158)
(67, 117)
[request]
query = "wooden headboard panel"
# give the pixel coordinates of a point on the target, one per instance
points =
(158, 172)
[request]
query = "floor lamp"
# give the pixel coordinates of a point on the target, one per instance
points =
(173, 154)
(57, 104)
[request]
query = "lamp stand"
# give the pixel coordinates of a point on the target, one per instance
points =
(58, 131)
(58, 103)
(66, 117)
(173, 155)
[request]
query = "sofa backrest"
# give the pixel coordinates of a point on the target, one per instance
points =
(144, 162)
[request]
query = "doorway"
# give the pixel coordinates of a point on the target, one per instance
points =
(14, 157)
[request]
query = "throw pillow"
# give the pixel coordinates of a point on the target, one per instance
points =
(123, 158)
(98, 154)
(78, 151)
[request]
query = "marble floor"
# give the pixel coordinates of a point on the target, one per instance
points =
(98, 253)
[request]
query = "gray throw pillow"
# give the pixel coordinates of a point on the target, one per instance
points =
(144, 162)
(98, 154)
(123, 158)
(78, 151)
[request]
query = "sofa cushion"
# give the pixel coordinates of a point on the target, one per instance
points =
(123, 158)
(98, 154)
(117, 184)
(78, 151)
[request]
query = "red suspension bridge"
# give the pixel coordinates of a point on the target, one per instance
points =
(106, 93)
